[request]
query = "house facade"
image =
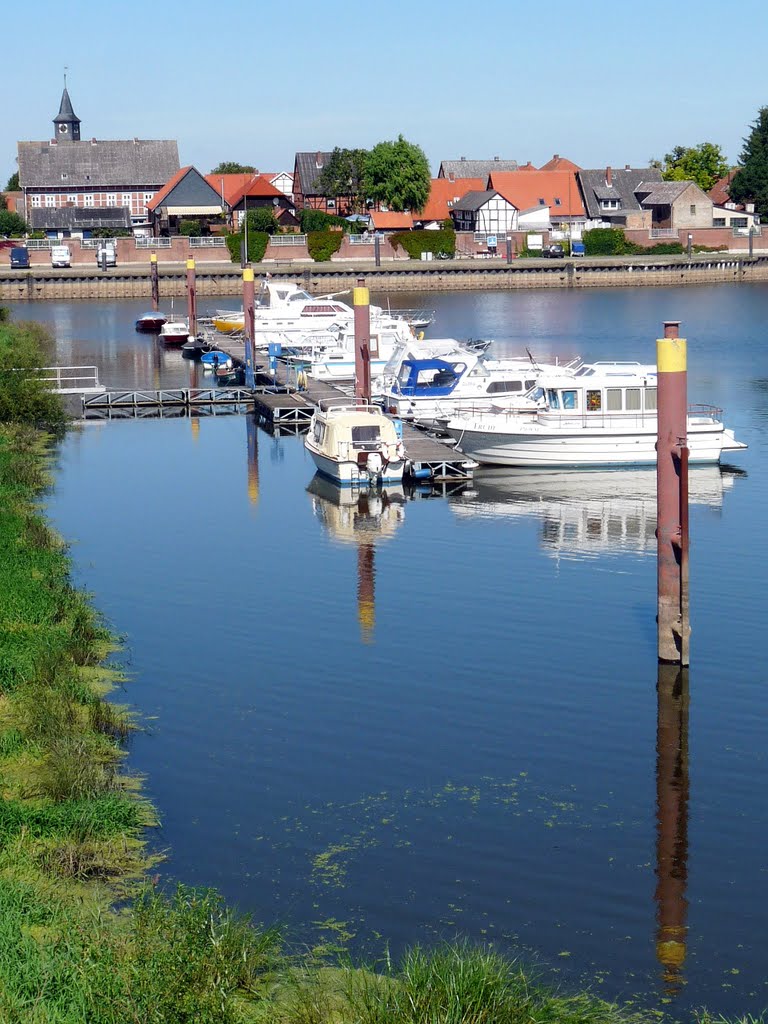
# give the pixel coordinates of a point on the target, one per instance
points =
(544, 199)
(444, 193)
(72, 186)
(610, 196)
(307, 168)
(675, 204)
(187, 196)
(486, 212)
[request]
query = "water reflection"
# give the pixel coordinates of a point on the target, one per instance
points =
(672, 791)
(586, 511)
(361, 517)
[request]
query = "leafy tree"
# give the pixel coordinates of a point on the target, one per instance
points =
(232, 167)
(11, 224)
(750, 185)
(704, 164)
(13, 183)
(319, 220)
(343, 176)
(262, 219)
(397, 174)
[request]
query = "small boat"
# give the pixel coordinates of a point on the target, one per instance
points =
(151, 322)
(600, 414)
(231, 376)
(216, 360)
(355, 444)
(174, 332)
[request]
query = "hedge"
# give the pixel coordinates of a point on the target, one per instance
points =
(440, 243)
(257, 246)
(323, 244)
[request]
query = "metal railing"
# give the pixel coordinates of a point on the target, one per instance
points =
(42, 243)
(360, 239)
(288, 240)
(212, 241)
(148, 242)
(96, 243)
(71, 378)
(663, 233)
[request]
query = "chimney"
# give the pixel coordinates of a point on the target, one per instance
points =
(464, 159)
(93, 142)
(627, 167)
(451, 176)
(609, 177)
(319, 160)
(135, 141)
(556, 156)
(496, 159)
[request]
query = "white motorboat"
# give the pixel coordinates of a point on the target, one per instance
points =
(430, 391)
(601, 414)
(355, 443)
(174, 331)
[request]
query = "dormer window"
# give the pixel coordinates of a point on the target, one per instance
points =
(609, 204)
(558, 202)
(64, 175)
(542, 203)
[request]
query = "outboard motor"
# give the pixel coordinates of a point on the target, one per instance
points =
(374, 465)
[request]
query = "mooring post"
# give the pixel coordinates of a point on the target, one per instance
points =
(362, 303)
(191, 298)
(155, 281)
(249, 325)
(671, 497)
(366, 593)
(672, 794)
(377, 250)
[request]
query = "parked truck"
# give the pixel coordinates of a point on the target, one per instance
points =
(61, 256)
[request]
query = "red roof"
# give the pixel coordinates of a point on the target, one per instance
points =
(443, 191)
(559, 190)
(393, 221)
(255, 186)
(719, 193)
(525, 167)
(559, 163)
(168, 187)
(228, 183)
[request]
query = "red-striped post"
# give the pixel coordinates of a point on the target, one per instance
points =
(672, 497)
(154, 281)
(362, 303)
(249, 324)
(191, 298)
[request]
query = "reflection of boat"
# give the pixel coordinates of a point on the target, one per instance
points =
(151, 322)
(587, 511)
(351, 514)
(174, 332)
(353, 443)
(604, 414)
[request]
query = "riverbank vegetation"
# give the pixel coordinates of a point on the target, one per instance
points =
(86, 937)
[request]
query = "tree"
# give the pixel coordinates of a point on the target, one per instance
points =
(397, 173)
(262, 219)
(11, 224)
(343, 176)
(13, 183)
(750, 184)
(231, 167)
(704, 164)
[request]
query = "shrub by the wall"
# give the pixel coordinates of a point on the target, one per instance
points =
(257, 246)
(439, 243)
(605, 242)
(323, 244)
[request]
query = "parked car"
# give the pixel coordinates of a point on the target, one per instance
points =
(20, 257)
(555, 250)
(61, 256)
(106, 255)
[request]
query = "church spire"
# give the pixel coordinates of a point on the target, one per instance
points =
(66, 124)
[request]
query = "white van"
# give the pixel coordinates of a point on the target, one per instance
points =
(106, 255)
(61, 256)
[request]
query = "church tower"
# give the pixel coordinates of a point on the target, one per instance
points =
(66, 124)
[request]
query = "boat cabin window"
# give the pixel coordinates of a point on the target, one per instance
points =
(613, 399)
(365, 434)
(570, 399)
(506, 386)
(319, 432)
(553, 399)
(632, 399)
(594, 401)
(650, 399)
(296, 297)
(317, 309)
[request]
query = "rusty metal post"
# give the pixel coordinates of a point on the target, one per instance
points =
(362, 303)
(249, 326)
(155, 281)
(191, 298)
(671, 490)
(672, 795)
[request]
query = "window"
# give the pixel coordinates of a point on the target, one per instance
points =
(88, 200)
(64, 175)
(50, 201)
(613, 399)
(552, 399)
(331, 204)
(609, 204)
(111, 199)
(558, 202)
(718, 222)
(570, 400)
(594, 401)
(126, 198)
(36, 200)
(542, 203)
(319, 432)
(365, 435)
(632, 400)
(71, 199)
(650, 399)
(739, 222)
(497, 386)
(148, 196)
(693, 209)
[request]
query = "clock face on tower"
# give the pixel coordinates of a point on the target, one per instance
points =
(62, 129)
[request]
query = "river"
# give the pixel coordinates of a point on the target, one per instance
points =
(424, 716)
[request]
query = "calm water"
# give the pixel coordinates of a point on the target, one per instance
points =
(416, 716)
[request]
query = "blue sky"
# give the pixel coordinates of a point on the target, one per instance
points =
(601, 83)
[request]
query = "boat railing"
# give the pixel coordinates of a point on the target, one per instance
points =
(337, 406)
(705, 412)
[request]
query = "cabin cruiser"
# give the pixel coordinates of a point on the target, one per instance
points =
(355, 443)
(174, 332)
(151, 322)
(600, 414)
(430, 391)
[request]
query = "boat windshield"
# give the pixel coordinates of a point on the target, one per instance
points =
(365, 435)
(433, 375)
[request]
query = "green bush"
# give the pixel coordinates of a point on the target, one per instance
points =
(319, 220)
(323, 244)
(262, 219)
(24, 397)
(440, 243)
(605, 242)
(257, 246)
(189, 227)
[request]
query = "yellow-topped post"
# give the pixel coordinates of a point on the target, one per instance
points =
(249, 324)
(191, 297)
(672, 496)
(361, 301)
(154, 281)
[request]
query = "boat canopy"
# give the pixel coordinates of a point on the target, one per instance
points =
(429, 377)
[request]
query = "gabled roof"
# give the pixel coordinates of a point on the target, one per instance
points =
(309, 166)
(559, 163)
(443, 194)
(528, 167)
(252, 185)
(720, 191)
(624, 182)
(660, 193)
(464, 168)
(474, 200)
(391, 220)
(187, 188)
(228, 184)
(137, 162)
(558, 190)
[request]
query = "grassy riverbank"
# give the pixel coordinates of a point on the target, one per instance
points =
(85, 937)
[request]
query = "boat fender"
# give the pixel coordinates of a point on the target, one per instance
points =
(400, 450)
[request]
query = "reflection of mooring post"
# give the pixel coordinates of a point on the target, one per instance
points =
(155, 281)
(252, 441)
(366, 595)
(361, 301)
(249, 324)
(191, 298)
(672, 498)
(672, 791)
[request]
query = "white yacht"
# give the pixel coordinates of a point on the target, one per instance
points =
(601, 414)
(355, 443)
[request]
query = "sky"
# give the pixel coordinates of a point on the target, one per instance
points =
(600, 83)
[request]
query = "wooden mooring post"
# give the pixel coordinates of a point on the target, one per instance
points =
(154, 281)
(249, 324)
(673, 617)
(362, 303)
(191, 298)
